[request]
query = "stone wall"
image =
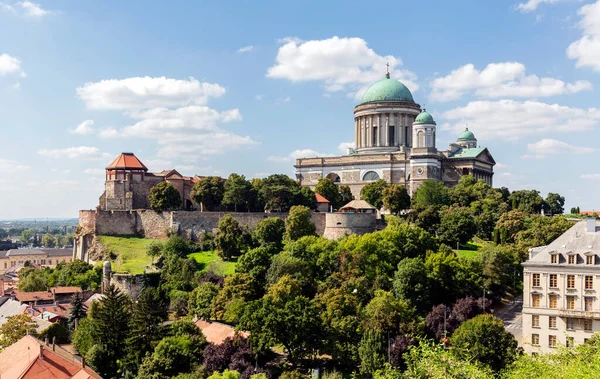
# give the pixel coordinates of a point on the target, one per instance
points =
(338, 225)
(128, 284)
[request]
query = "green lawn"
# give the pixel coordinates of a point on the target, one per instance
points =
(208, 259)
(130, 253)
(470, 249)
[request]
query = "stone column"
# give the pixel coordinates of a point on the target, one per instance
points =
(355, 131)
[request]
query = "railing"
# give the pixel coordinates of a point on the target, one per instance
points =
(578, 314)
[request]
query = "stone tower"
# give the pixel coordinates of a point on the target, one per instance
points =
(425, 162)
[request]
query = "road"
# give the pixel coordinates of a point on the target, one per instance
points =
(512, 317)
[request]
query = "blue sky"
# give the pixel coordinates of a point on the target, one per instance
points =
(221, 87)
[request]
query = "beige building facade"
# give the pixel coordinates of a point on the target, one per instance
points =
(561, 285)
(41, 257)
(395, 140)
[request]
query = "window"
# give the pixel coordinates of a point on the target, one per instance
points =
(535, 339)
(536, 280)
(553, 281)
(535, 321)
(371, 175)
(554, 258)
(50, 261)
(570, 302)
(391, 136)
(570, 281)
(587, 325)
(5, 265)
(570, 341)
(552, 322)
(589, 282)
(570, 324)
(551, 341)
(553, 301)
(589, 260)
(535, 300)
(589, 303)
(571, 259)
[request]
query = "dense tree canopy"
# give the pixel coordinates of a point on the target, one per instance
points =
(395, 198)
(329, 190)
(237, 193)
(209, 191)
(164, 197)
(372, 193)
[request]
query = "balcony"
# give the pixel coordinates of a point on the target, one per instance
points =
(573, 313)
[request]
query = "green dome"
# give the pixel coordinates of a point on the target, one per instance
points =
(387, 90)
(424, 118)
(467, 135)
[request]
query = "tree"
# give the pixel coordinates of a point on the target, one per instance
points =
(256, 263)
(372, 193)
(26, 236)
(269, 231)
(555, 203)
(431, 192)
(238, 288)
(384, 312)
(395, 198)
(228, 239)
(32, 279)
(427, 218)
(298, 223)
(329, 190)
(456, 226)
(371, 351)
(513, 222)
(237, 192)
(77, 311)
(398, 348)
(227, 374)
(412, 283)
(209, 191)
(164, 196)
(55, 333)
(48, 240)
(528, 201)
(280, 192)
(112, 326)
(15, 328)
(84, 335)
(201, 299)
(346, 195)
(484, 339)
(234, 353)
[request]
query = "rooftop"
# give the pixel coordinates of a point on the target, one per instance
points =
(358, 204)
(126, 161)
(472, 152)
(387, 90)
(320, 199)
(45, 251)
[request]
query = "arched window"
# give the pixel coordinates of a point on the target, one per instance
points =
(371, 175)
(420, 139)
(333, 177)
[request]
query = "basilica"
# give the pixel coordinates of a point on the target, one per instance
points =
(395, 140)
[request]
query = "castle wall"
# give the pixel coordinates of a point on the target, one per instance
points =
(128, 284)
(153, 224)
(338, 225)
(117, 223)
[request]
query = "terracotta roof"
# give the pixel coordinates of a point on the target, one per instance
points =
(65, 290)
(358, 204)
(33, 296)
(126, 161)
(321, 199)
(216, 332)
(47, 310)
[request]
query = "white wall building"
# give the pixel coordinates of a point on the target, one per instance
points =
(561, 285)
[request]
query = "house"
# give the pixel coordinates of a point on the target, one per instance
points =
(323, 204)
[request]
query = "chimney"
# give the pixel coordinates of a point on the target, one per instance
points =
(54, 343)
(42, 352)
(82, 362)
(591, 225)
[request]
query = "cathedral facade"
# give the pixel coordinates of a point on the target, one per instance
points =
(395, 140)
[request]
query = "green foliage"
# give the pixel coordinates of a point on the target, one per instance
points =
(173, 355)
(76, 273)
(555, 203)
(229, 240)
(201, 299)
(528, 201)
(227, 374)
(346, 195)
(237, 192)
(57, 331)
(31, 279)
(280, 192)
(15, 328)
(329, 190)
(238, 287)
(395, 198)
(163, 197)
(209, 191)
(431, 193)
(298, 223)
(384, 312)
(84, 336)
(179, 302)
(412, 284)
(48, 240)
(427, 218)
(372, 193)
(541, 231)
(292, 375)
(484, 339)
(513, 222)
(269, 232)
(77, 311)
(256, 263)
(456, 226)
(371, 351)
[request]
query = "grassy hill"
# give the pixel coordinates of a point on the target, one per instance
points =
(130, 253)
(208, 259)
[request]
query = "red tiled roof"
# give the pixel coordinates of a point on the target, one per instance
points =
(321, 199)
(62, 310)
(33, 296)
(66, 290)
(126, 161)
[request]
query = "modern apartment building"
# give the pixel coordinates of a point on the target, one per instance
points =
(561, 286)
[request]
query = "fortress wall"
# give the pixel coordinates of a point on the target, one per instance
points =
(128, 284)
(152, 224)
(116, 223)
(87, 219)
(340, 224)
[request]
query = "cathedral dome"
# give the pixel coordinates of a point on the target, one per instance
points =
(424, 118)
(467, 135)
(387, 90)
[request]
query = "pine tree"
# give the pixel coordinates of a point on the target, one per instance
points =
(371, 352)
(77, 311)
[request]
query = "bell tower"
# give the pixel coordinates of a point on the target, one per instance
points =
(424, 158)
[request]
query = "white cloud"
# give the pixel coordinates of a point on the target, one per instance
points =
(344, 146)
(81, 152)
(10, 167)
(33, 10)
(590, 176)
(108, 133)
(546, 146)
(586, 50)
(259, 97)
(297, 154)
(532, 5)
(94, 171)
(157, 165)
(506, 79)
(287, 99)
(342, 64)
(146, 92)
(10, 65)
(245, 49)
(83, 128)
(511, 120)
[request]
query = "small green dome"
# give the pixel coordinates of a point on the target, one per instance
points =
(387, 90)
(424, 118)
(467, 135)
